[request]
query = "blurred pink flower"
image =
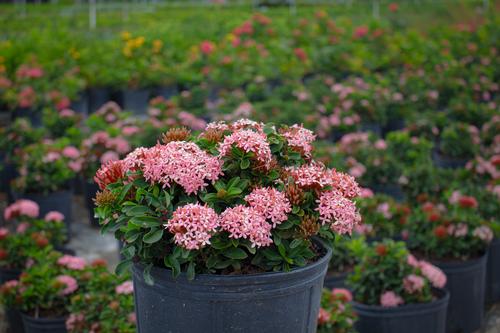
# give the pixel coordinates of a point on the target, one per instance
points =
(390, 299)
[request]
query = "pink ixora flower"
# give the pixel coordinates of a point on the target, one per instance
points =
(69, 283)
(270, 203)
(22, 207)
(74, 320)
(300, 139)
(72, 262)
(436, 276)
(323, 316)
(250, 142)
(183, 163)
(412, 261)
(246, 222)
(54, 216)
(338, 211)
(413, 283)
(4, 232)
(193, 225)
(109, 156)
(22, 227)
(344, 183)
(390, 299)
(126, 288)
(71, 152)
(484, 233)
(310, 175)
(342, 293)
(207, 47)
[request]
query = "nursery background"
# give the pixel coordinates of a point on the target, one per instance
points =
(401, 95)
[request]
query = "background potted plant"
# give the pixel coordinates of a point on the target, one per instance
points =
(453, 236)
(393, 291)
(45, 170)
(239, 198)
(457, 144)
(336, 313)
(344, 258)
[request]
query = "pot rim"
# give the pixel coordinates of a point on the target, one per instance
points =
(382, 311)
(243, 279)
(42, 319)
(462, 265)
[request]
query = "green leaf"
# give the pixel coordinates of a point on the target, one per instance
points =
(295, 243)
(190, 271)
(137, 210)
(123, 267)
(235, 253)
(153, 236)
(124, 192)
(147, 275)
(146, 221)
(244, 164)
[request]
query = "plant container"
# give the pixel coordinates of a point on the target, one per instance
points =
(493, 272)
(136, 101)
(90, 189)
(43, 325)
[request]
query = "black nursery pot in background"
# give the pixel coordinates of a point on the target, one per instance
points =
(393, 190)
(447, 162)
(34, 116)
(493, 273)
(91, 189)
(14, 320)
(333, 281)
(411, 318)
(136, 101)
(81, 104)
(278, 302)
(8, 274)
(43, 325)
(61, 201)
(97, 97)
(466, 284)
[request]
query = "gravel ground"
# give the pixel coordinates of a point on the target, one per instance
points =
(90, 244)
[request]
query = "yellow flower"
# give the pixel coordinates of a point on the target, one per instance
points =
(127, 52)
(139, 41)
(157, 45)
(230, 37)
(126, 35)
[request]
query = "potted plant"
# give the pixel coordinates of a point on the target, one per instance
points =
(44, 290)
(457, 144)
(22, 239)
(107, 306)
(13, 138)
(226, 216)
(45, 170)
(344, 258)
(394, 292)
(455, 239)
(336, 313)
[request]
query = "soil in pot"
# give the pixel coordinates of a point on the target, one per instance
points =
(466, 284)
(411, 318)
(43, 325)
(493, 273)
(278, 302)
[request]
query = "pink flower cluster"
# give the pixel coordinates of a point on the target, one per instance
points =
(310, 175)
(413, 283)
(183, 163)
(300, 138)
(193, 225)
(436, 276)
(71, 285)
(126, 288)
(21, 207)
(72, 262)
(484, 233)
(270, 203)
(246, 222)
(390, 299)
(54, 217)
(342, 293)
(250, 142)
(338, 211)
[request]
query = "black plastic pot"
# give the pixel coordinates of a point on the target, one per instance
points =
(91, 189)
(34, 116)
(7, 174)
(393, 125)
(9, 274)
(14, 320)
(167, 92)
(61, 201)
(97, 97)
(278, 302)
(43, 325)
(411, 318)
(81, 104)
(335, 280)
(393, 190)
(136, 100)
(493, 273)
(447, 162)
(372, 127)
(466, 284)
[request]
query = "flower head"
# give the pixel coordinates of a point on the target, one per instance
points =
(126, 288)
(109, 173)
(248, 223)
(22, 207)
(250, 142)
(69, 283)
(71, 152)
(338, 211)
(323, 316)
(484, 233)
(434, 274)
(193, 225)
(299, 139)
(342, 293)
(390, 299)
(270, 203)
(54, 216)
(413, 283)
(72, 262)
